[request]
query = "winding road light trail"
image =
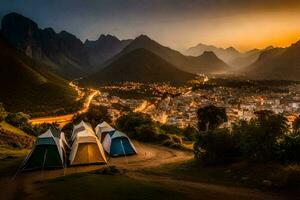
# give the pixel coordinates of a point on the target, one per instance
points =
(64, 119)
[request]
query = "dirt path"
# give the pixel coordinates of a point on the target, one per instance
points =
(148, 156)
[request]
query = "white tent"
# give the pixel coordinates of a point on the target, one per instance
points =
(102, 129)
(80, 127)
(86, 148)
(48, 151)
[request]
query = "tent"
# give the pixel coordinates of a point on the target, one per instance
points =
(80, 127)
(118, 144)
(48, 151)
(102, 130)
(86, 148)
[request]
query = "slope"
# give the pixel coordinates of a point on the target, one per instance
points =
(139, 65)
(186, 63)
(27, 86)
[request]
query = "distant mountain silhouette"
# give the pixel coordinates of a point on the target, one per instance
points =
(229, 55)
(277, 63)
(199, 64)
(139, 65)
(27, 85)
(62, 51)
(66, 55)
(104, 48)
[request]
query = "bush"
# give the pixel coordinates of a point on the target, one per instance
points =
(258, 139)
(94, 116)
(146, 133)
(171, 129)
(190, 133)
(215, 147)
(130, 122)
(17, 119)
(289, 148)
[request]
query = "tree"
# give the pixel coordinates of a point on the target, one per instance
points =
(215, 146)
(211, 117)
(258, 139)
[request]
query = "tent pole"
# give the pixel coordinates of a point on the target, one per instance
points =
(124, 151)
(45, 155)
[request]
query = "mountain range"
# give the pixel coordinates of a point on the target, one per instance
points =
(139, 65)
(64, 53)
(205, 63)
(104, 48)
(276, 63)
(229, 55)
(51, 58)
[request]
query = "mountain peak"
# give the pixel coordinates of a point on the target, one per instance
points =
(143, 38)
(17, 23)
(232, 49)
(108, 37)
(208, 54)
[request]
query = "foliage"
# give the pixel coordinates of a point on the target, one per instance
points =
(190, 133)
(289, 147)
(141, 127)
(19, 119)
(211, 117)
(215, 146)
(94, 116)
(264, 138)
(128, 123)
(146, 133)
(258, 139)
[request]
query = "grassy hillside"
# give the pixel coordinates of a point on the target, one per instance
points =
(13, 141)
(28, 86)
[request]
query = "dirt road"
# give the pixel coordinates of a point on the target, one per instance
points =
(63, 119)
(148, 156)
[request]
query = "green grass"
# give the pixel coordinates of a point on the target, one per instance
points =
(95, 186)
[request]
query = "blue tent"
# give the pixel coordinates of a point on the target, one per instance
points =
(118, 144)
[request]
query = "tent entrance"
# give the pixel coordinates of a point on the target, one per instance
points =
(87, 153)
(38, 160)
(121, 146)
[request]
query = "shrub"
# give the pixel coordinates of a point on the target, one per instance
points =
(258, 139)
(215, 146)
(146, 133)
(130, 122)
(17, 119)
(289, 148)
(190, 133)
(94, 116)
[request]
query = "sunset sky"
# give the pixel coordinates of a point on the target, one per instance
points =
(175, 23)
